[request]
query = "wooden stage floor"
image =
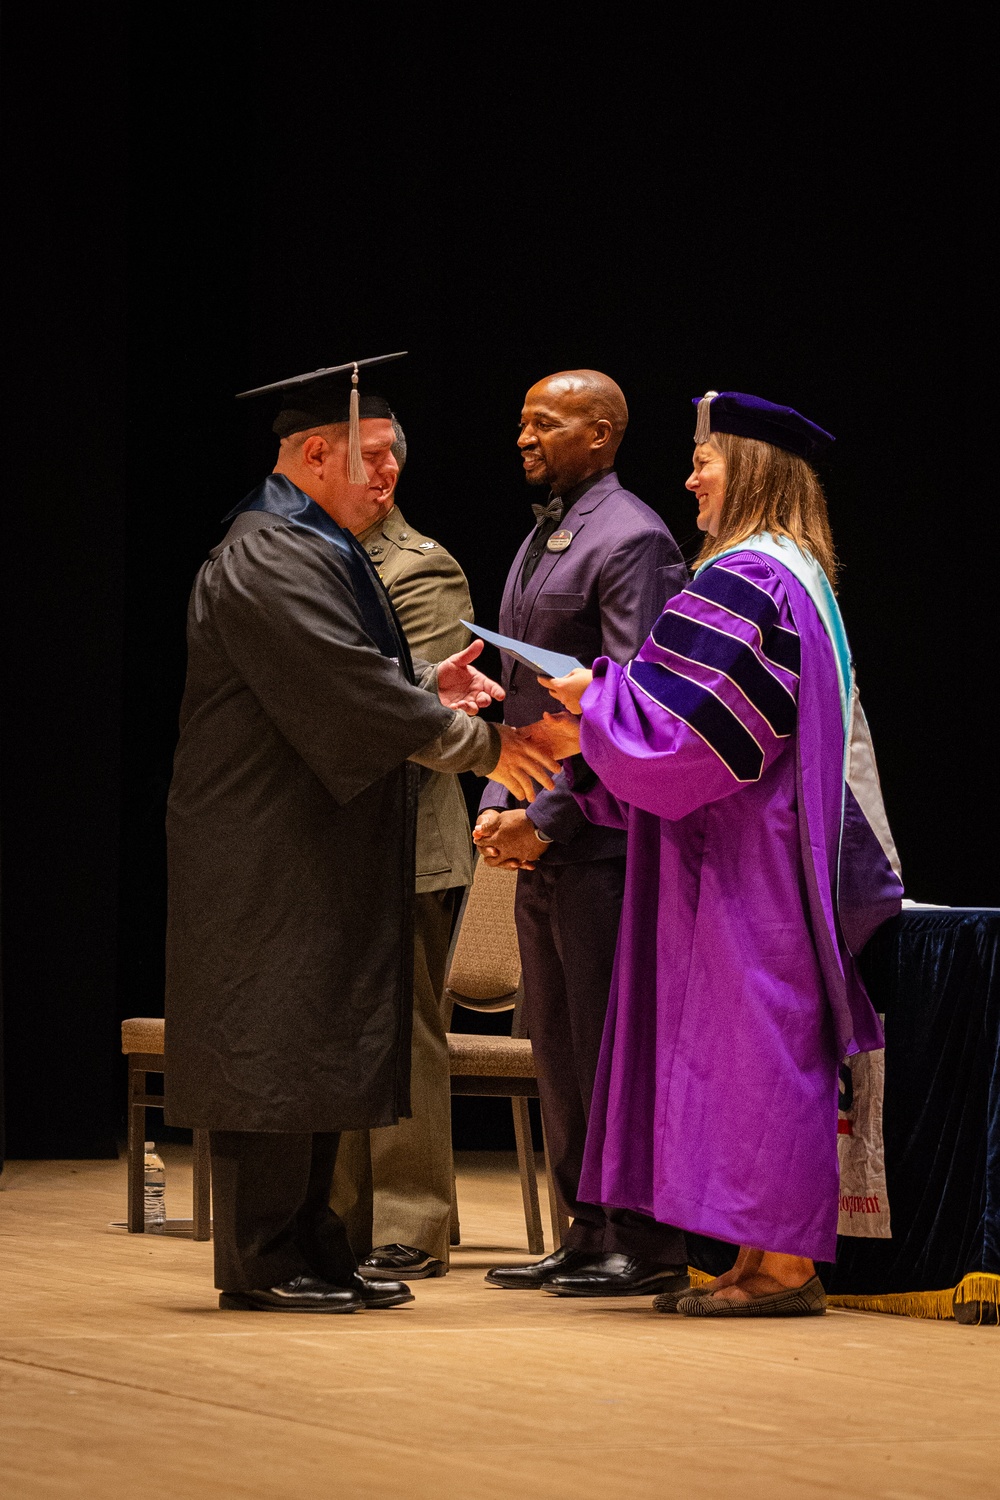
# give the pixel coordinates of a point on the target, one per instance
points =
(120, 1377)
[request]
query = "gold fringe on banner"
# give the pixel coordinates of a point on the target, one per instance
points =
(978, 1286)
(904, 1304)
(982, 1289)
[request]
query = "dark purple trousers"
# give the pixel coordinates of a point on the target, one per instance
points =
(567, 927)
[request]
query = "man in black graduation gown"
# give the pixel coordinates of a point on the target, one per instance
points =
(290, 846)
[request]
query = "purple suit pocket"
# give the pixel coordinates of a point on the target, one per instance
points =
(560, 601)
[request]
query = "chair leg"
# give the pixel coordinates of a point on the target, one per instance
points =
(135, 1149)
(529, 1183)
(202, 1186)
(454, 1229)
(559, 1220)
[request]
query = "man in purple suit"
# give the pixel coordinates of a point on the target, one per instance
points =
(589, 581)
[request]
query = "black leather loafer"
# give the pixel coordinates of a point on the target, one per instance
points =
(530, 1278)
(382, 1293)
(386, 1262)
(617, 1275)
(304, 1294)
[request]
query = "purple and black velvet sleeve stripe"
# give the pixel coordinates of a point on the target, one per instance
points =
(735, 659)
(706, 714)
(731, 592)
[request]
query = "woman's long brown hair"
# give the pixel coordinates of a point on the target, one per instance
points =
(769, 489)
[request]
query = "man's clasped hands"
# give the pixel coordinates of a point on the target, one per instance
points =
(528, 756)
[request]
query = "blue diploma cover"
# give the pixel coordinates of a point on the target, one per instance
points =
(542, 663)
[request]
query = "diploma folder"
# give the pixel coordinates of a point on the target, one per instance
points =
(542, 663)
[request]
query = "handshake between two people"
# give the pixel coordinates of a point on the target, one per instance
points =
(528, 756)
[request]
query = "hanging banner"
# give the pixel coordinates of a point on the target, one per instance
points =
(864, 1202)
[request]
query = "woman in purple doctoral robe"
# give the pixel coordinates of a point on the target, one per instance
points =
(734, 752)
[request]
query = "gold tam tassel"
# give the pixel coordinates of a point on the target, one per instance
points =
(356, 472)
(703, 430)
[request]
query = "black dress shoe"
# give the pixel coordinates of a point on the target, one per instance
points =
(382, 1293)
(531, 1277)
(386, 1262)
(302, 1294)
(617, 1275)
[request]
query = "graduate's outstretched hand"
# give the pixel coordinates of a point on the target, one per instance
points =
(569, 689)
(460, 685)
(522, 763)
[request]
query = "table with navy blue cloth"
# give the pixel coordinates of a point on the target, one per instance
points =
(935, 974)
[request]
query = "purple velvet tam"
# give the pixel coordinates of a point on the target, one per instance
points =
(753, 417)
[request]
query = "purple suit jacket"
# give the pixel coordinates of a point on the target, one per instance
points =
(600, 597)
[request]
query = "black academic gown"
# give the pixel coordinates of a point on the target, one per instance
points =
(289, 825)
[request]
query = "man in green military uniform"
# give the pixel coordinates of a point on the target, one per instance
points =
(392, 1186)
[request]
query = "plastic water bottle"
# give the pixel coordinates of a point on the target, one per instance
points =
(154, 1190)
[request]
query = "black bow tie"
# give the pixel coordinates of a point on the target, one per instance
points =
(551, 512)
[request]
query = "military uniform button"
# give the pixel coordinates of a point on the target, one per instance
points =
(374, 551)
(404, 536)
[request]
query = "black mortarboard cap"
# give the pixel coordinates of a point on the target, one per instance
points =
(328, 395)
(753, 417)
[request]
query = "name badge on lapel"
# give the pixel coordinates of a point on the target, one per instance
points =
(558, 541)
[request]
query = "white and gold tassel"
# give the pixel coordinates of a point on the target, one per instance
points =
(356, 472)
(703, 430)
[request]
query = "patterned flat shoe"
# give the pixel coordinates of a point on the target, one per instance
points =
(667, 1302)
(793, 1302)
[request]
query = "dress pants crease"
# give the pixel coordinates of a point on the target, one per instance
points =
(567, 927)
(272, 1218)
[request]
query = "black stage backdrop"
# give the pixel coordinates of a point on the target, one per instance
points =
(808, 226)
